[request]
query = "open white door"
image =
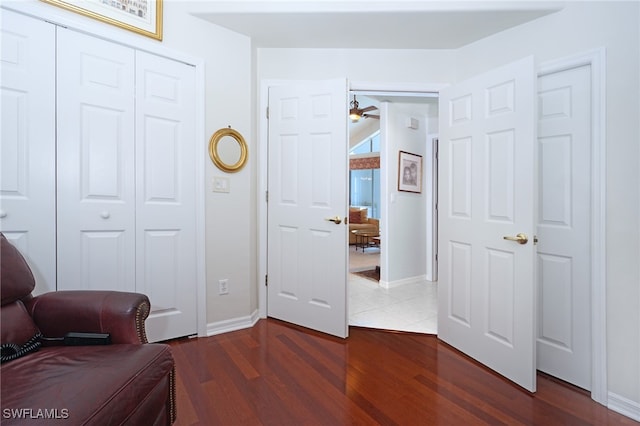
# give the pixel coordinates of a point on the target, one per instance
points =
(486, 294)
(307, 252)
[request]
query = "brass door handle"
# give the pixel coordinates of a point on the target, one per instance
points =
(519, 238)
(335, 220)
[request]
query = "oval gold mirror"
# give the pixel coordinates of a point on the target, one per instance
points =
(228, 150)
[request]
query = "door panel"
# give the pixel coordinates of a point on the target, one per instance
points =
(307, 267)
(95, 164)
(564, 223)
(103, 259)
(27, 153)
(165, 199)
(486, 283)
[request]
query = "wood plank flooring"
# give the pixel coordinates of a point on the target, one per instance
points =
(278, 374)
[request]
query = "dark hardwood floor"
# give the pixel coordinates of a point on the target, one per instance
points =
(279, 374)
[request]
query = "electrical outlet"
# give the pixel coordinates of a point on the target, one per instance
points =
(223, 286)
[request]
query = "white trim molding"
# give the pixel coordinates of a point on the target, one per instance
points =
(398, 283)
(624, 406)
(232, 324)
(596, 59)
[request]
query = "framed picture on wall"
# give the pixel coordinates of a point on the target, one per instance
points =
(140, 16)
(409, 172)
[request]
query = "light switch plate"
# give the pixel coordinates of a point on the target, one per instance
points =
(220, 184)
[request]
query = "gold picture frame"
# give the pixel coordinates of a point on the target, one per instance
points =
(143, 17)
(217, 157)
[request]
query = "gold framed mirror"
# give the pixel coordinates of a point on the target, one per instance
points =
(228, 150)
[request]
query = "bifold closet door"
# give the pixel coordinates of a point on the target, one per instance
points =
(126, 177)
(27, 160)
(165, 196)
(95, 163)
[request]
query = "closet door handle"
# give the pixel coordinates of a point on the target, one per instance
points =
(105, 215)
(3, 214)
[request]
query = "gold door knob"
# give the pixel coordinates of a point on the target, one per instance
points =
(519, 238)
(335, 220)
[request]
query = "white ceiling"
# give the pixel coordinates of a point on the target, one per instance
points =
(369, 23)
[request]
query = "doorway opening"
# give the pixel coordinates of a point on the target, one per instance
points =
(388, 278)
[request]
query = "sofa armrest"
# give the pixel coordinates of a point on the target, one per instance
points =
(119, 313)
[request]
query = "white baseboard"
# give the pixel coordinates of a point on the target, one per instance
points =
(232, 324)
(624, 406)
(410, 280)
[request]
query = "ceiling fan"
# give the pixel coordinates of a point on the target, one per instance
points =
(356, 113)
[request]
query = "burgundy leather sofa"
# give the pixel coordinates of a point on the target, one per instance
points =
(126, 382)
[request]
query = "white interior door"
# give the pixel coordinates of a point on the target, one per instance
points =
(27, 151)
(486, 294)
(95, 164)
(165, 194)
(564, 224)
(308, 181)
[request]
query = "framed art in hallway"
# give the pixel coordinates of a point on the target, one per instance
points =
(409, 172)
(140, 16)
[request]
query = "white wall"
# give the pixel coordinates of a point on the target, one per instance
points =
(358, 65)
(580, 27)
(230, 244)
(404, 229)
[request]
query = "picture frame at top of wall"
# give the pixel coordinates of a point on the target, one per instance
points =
(140, 16)
(409, 172)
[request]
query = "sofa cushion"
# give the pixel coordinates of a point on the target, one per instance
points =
(101, 385)
(358, 215)
(355, 216)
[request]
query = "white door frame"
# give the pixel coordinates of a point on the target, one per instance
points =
(596, 60)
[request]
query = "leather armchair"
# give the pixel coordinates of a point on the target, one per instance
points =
(126, 382)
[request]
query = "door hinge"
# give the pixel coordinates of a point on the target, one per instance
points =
(436, 257)
(266, 280)
(266, 196)
(267, 113)
(535, 239)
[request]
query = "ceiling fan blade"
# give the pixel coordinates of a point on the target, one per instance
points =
(377, 117)
(369, 108)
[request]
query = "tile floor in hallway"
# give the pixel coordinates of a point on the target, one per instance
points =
(407, 307)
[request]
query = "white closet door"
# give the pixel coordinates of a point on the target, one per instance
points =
(165, 195)
(564, 290)
(96, 191)
(27, 159)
